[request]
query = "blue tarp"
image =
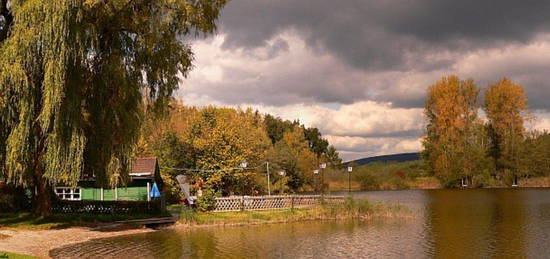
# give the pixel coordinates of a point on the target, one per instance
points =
(155, 193)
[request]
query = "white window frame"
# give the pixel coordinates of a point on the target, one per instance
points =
(68, 193)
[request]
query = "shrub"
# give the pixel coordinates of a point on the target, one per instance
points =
(207, 201)
(188, 215)
(508, 177)
(398, 183)
(367, 181)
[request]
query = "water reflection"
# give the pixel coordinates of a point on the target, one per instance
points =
(476, 223)
(499, 223)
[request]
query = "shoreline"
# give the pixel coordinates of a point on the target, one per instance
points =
(431, 183)
(442, 188)
(39, 243)
(179, 226)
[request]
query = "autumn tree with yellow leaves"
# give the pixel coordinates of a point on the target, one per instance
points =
(460, 146)
(217, 139)
(452, 144)
(507, 111)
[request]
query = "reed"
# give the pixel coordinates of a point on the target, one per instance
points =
(358, 209)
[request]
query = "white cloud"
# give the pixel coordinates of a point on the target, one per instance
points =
(359, 147)
(359, 111)
(541, 121)
(356, 130)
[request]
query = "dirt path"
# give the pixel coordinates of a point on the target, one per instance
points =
(40, 242)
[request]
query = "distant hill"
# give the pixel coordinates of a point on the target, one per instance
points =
(387, 158)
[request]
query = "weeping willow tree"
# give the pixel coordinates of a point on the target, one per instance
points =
(73, 77)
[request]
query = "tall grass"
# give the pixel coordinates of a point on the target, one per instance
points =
(349, 209)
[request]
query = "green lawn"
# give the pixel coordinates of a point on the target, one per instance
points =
(6, 255)
(58, 221)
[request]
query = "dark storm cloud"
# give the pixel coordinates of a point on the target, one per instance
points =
(380, 50)
(384, 34)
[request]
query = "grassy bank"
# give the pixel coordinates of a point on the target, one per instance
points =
(25, 221)
(535, 182)
(6, 255)
(350, 209)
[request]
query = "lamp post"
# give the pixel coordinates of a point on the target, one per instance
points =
(244, 165)
(316, 172)
(350, 169)
(282, 174)
(268, 180)
(323, 166)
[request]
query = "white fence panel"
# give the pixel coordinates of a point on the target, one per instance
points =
(237, 203)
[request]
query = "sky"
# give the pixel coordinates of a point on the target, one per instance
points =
(358, 69)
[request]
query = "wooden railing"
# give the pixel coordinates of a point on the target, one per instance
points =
(237, 203)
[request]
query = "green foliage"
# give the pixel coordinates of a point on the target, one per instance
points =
(172, 153)
(207, 201)
(316, 143)
(537, 154)
(507, 110)
(216, 140)
(388, 176)
(276, 127)
(367, 181)
(283, 158)
(459, 146)
(333, 158)
(73, 76)
(188, 215)
(281, 185)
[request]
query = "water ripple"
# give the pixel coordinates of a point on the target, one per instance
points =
(451, 224)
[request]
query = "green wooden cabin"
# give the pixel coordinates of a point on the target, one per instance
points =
(144, 173)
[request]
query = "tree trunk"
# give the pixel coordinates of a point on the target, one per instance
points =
(42, 197)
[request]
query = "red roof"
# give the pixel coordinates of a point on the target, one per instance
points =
(144, 165)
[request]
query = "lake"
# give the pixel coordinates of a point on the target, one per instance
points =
(478, 223)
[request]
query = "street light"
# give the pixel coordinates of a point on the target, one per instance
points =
(244, 164)
(323, 166)
(315, 181)
(282, 174)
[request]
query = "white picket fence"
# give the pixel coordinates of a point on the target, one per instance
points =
(238, 203)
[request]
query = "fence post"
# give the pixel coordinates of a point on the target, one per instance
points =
(291, 202)
(242, 203)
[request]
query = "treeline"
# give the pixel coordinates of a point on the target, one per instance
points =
(461, 145)
(217, 140)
